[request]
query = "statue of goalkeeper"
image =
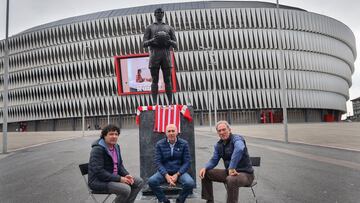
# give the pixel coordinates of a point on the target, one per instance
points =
(160, 37)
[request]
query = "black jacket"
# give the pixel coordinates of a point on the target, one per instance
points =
(226, 150)
(101, 166)
(234, 153)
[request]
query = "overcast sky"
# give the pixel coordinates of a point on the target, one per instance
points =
(25, 14)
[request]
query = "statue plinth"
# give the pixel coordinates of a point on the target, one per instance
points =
(148, 139)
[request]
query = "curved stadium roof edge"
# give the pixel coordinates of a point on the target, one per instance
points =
(48, 64)
(166, 7)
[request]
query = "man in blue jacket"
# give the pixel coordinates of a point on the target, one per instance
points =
(106, 169)
(238, 170)
(172, 158)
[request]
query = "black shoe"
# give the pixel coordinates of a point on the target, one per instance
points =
(178, 201)
(166, 201)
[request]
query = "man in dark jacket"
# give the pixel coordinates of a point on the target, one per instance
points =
(160, 37)
(172, 157)
(238, 170)
(106, 169)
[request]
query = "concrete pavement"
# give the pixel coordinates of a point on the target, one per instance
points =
(334, 135)
(289, 173)
(23, 140)
(340, 135)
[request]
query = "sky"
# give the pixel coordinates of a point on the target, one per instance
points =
(24, 14)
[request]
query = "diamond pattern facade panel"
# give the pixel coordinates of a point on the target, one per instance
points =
(51, 65)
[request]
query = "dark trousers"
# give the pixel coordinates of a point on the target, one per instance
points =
(185, 179)
(155, 80)
(232, 184)
(125, 193)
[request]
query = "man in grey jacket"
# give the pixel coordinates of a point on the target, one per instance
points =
(106, 169)
(160, 37)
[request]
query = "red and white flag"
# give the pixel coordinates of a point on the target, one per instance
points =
(165, 115)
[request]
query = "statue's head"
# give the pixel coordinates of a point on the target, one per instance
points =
(159, 14)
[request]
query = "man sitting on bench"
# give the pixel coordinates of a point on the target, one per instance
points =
(172, 158)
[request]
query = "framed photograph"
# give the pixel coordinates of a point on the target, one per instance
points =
(134, 77)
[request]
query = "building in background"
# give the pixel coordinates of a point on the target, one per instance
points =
(50, 63)
(356, 109)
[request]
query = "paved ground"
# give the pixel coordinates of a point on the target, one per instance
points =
(341, 135)
(23, 140)
(336, 135)
(289, 172)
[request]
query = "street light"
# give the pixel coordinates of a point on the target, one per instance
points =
(213, 62)
(108, 99)
(108, 113)
(282, 71)
(84, 47)
(6, 81)
(108, 108)
(214, 102)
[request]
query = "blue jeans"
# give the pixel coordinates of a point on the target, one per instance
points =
(185, 179)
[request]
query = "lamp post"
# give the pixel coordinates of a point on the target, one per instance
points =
(282, 72)
(6, 81)
(110, 97)
(213, 62)
(210, 102)
(210, 51)
(108, 113)
(84, 47)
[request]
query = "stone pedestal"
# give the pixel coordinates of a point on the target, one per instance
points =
(148, 139)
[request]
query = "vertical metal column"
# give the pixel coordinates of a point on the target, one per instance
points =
(209, 101)
(83, 91)
(213, 62)
(108, 110)
(84, 47)
(282, 72)
(6, 81)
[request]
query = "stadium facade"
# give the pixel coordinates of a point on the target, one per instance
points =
(53, 65)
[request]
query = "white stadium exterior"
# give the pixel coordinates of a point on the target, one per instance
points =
(47, 65)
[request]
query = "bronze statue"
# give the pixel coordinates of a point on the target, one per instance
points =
(160, 37)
